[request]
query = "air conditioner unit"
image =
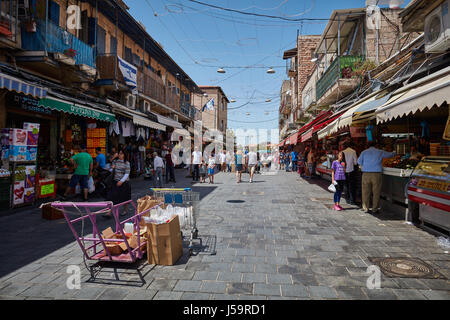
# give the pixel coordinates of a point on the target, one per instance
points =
(437, 29)
(175, 117)
(144, 106)
(130, 101)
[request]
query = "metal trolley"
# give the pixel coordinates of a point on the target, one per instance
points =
(183, 197)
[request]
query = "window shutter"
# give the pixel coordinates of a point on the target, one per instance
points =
(92, 26)
(53, 13)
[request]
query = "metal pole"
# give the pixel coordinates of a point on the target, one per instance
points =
(96, 25)
(46, 25)
(339, 35)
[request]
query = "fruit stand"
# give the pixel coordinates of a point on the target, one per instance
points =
(396, 174)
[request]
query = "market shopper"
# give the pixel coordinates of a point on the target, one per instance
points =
(294, 160)
(338, 179)
(229, 161)
(196, 162)
(158, 165)
(350, 173)
(203, 170)
(252, 161)
(310, 162)
(211, 167)
(83, 163)
(100, 160)
(170, 168)
(223, 161)
(370, 161)
(120, 191)
(238, 162)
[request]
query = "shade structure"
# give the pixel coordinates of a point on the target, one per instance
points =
(14, 84)
(75, 109)
(418, 96)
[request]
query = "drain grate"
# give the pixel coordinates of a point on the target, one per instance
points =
(290, 201)
(406, 268)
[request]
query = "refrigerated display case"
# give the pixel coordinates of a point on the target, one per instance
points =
(429, 191)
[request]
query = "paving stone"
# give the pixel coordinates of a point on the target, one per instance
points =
(351, 293)
(188, 285)
(162, 285)
(436, 294)
(240, 288)
(168, 295)
(380, 294)
(113, 294)
(243, 267)
(213, 287)
(230, 277)
(266, 268)
(14, 289)
(206, 275)
(39, 290)
(195, 296)
(409, 294)
(267, 289)
(254, 277)
(279, 278)
(221, 296)
(322, 292)
(87, 293)
(248, 297)
(304, 279)
(294, 291)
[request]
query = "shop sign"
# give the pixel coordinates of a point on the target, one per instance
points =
(26, 103)
(434, 185)
(47, 189)
(447, 130)
(357, 132)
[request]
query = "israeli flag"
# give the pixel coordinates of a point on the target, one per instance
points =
(129, 73)
(209, 105)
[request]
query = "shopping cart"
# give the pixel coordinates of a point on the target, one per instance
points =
(94, 247)
(186, 198)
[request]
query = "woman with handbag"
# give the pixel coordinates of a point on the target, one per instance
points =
(120, 189)
(338, 179)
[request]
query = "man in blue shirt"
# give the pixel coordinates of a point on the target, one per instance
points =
(371, 162)
(100, 159)
(294, 160)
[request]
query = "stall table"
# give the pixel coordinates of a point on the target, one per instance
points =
(394, 184)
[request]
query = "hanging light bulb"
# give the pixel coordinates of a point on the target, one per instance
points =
(221, 70)
(271, 71)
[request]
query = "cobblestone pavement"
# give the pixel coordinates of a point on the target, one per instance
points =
(275, 239)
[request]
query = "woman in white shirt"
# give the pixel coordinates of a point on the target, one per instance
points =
(211, 167)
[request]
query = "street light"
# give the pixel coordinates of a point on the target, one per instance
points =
(221, 70)
(271, 70)
(232, 101)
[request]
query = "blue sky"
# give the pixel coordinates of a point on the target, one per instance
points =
(200, 39)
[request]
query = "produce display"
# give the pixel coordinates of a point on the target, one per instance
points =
(399, 163)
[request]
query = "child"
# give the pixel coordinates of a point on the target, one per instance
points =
(203, 169)
(211, 166)
(338, 179)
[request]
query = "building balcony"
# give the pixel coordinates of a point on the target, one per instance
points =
(337, 81)
(172, 99)
(66, 48)
(9, 29)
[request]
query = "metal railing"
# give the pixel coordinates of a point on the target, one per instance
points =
(334, 73)
(50, 37)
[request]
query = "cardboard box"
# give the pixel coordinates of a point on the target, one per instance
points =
(50, 213)
(31, 154)
(18, 137)
(34, 127)
(17, 153)
(164, 243)
(19, 192)
(32, 139)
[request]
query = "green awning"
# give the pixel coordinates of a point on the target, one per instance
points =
(76, 109)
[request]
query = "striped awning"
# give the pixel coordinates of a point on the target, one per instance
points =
(20, 86)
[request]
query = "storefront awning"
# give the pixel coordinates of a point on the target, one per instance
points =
(169, 122)
(366, 112)
(420, 95)
(15, 84)
(293, 139)
(141, 121)
(76, 109)
(139, 118)
(308, 135)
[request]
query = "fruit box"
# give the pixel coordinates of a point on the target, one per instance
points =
(50, 213)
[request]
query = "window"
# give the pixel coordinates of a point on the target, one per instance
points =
(221, 126)
(187, 97)
(113, 45)
(128, 55)
(101, 40)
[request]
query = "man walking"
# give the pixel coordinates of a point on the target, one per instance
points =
(223, 161)
(83, 163)
(294, 160)
(310, 162)
(229, 161)
(252, 161)
(351, 159)
(100, 160)
(371, 162)
(158, 164)
(196, 161)
(170, 169)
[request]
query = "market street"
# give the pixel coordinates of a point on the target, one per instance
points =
(276, 239)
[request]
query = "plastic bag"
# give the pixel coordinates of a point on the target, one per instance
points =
(444, 243)
(91, 185)
(332, 188)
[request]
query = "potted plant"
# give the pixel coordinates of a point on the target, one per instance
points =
(70, 53)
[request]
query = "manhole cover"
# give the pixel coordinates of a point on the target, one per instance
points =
(406, 268)
(283, 201)
(235, 201)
